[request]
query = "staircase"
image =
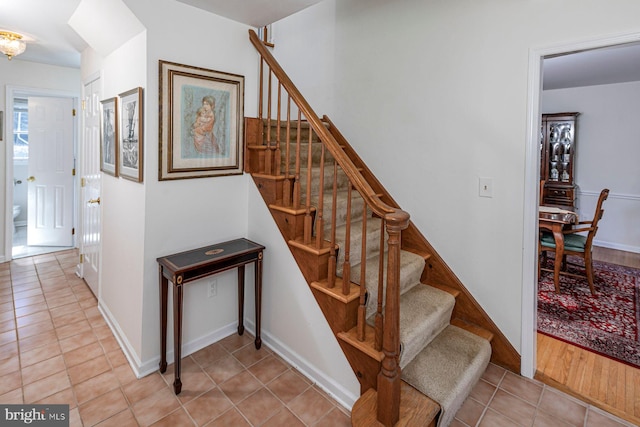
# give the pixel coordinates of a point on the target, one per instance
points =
(416, 339)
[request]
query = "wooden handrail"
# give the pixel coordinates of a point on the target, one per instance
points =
(377, 206)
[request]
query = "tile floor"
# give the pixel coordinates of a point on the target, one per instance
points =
(55, 347)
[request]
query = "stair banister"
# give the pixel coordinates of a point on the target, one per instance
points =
(378, 206)
(395, 220)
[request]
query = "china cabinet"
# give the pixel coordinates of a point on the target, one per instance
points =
(557, 158)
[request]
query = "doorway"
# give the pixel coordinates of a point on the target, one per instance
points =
(40, 194)
(532, 168)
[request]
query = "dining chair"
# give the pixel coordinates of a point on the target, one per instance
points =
(577, 244)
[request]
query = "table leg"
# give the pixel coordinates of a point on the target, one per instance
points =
(164, 285)
(241, 300)
(258, 285)
(177, 334)
(559, 240)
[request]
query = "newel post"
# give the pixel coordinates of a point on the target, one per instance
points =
(389, 376)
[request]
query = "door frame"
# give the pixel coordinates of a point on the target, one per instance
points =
(532, 187)
(12, 92)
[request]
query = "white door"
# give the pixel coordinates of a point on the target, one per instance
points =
(50, 182)
(90, 186)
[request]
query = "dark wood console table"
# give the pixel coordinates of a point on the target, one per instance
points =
(185, 267)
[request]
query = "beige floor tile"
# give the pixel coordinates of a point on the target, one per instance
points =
(240, 386)
(268, 368)
(96, 386)
(156, 406)
(45, 387)
(231, 418)
(260, 406)
(83, 354)
(88, 369)
(223, 369)
(43, 369)
(563, 407)
(310, 406)
(288, 386)
(103, 407)
(137, 390)
(208, 406)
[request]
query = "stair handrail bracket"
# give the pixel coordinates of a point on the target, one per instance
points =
(393, 222)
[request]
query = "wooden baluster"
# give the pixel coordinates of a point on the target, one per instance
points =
(261, 94)
(308, 221)
(346, 267)
(296, 183)
(278, 160)
(331, 274)
(287, 188)
(362, 308)
(268, 158)
(389, 376)
(379, 323)
(320, 207)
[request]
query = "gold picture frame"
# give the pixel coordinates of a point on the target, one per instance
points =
(131, 144)
(201, 122)
(109, 136)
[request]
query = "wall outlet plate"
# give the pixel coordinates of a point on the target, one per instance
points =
(485, 187)
(212, 289)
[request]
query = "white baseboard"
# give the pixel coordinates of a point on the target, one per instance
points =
(626, 248)
(341, 395)
(191, 347)
(142, 369)
(124, 343)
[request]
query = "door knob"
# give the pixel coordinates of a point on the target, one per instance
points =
(94, 200)
(31, 178)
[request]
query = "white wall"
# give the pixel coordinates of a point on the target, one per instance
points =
(607, 153)
(433, 95)
(34, 76)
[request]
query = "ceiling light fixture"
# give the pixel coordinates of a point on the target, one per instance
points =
(11, 44)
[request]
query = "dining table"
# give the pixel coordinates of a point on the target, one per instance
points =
(555, 219)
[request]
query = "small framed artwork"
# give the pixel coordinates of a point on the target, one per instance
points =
(109, 137)
(201, 122)
(130, 155)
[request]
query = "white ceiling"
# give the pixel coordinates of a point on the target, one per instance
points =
(617, 64)
(51, 40)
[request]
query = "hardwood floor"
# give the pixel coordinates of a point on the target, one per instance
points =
(598, 380)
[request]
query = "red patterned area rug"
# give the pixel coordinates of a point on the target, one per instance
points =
(607, 323)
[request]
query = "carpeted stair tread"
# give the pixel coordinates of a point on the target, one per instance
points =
(355, 250)
(448, 368)
(424, 313)
(411, 267)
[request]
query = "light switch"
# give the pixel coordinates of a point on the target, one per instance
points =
(486, 187)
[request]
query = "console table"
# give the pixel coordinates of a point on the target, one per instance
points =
(185, 267)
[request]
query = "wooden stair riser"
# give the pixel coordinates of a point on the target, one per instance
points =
(271, 188)
(365, 368)
(314, 267)
(340, 315)
(291, 225)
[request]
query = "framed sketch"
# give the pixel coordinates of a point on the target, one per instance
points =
(109, 136)
(130, 155)
(201, 122)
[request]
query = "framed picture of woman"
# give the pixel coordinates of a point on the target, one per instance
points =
(201, 122)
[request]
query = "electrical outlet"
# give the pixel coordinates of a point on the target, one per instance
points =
(212, 290)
